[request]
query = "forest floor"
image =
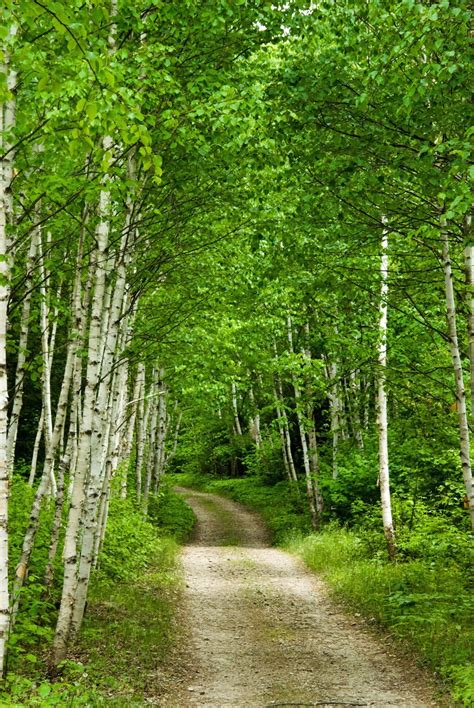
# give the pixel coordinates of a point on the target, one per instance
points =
(262, 630)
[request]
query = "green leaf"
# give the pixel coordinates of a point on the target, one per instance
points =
(91, 110)
(44, 690)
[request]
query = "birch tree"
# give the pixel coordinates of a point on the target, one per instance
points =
(7, 122)
(382, 413)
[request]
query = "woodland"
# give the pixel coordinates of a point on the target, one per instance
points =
(236, 253)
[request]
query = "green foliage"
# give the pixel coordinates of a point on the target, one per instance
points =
(21, 691)
(266, 462)
(130, 628)
(355, 485)
(130, 543)
(171, 514)
(137, 579)
(34, 625)
(462, 678)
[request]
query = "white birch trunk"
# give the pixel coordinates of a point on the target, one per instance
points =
(254, 427)
(151, 444)
(469, 268)
(17, 403)
(70, 554)
(36, 446)
(334, 410)
(281, 432)
(163, 424)
(47, 476)
(315, 520)
(132, 418)
(142, 425)
(47, 360)
(311, 431)
(353, 400)
(235, 408)
(177, 427)
(464, 437)
(286, 427)
(384, 478)
(7, 121)
(104, 414)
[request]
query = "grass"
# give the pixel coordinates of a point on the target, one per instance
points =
(124, 653)
(130, 631)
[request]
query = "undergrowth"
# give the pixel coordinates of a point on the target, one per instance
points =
(128, 630)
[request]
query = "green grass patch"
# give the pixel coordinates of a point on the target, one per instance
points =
(171, 514)
(130, 629)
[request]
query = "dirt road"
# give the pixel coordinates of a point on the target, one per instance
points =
(264, 632)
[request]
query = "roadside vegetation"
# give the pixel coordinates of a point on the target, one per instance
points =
(130, 630)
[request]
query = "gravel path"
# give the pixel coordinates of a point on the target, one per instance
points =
(263, 631)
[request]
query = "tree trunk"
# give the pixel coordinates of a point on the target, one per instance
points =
(70, 554)
(464, 442)
(7, 122)
(310, 493)
(235, 408)
(334, 411)
(311, 430)
(384, 479)
(286, 429)
(469, 268)
(17, 403)
(142, 426)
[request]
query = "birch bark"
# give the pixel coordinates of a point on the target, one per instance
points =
(464, 436)
(47, 361)
(286, 425)
(48, 469)
(235, 408)
(334, 410)
(312, 439)
(161, 433)
(7, 123)
(469, 268)
(384, 478)
(281, 432)
(70, 554)
(104, 417)
(310, 493)
(142, 425)
(17, 403)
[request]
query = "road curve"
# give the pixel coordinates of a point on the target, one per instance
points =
(263, 631)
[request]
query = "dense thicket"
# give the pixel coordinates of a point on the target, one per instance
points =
(234, 238)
